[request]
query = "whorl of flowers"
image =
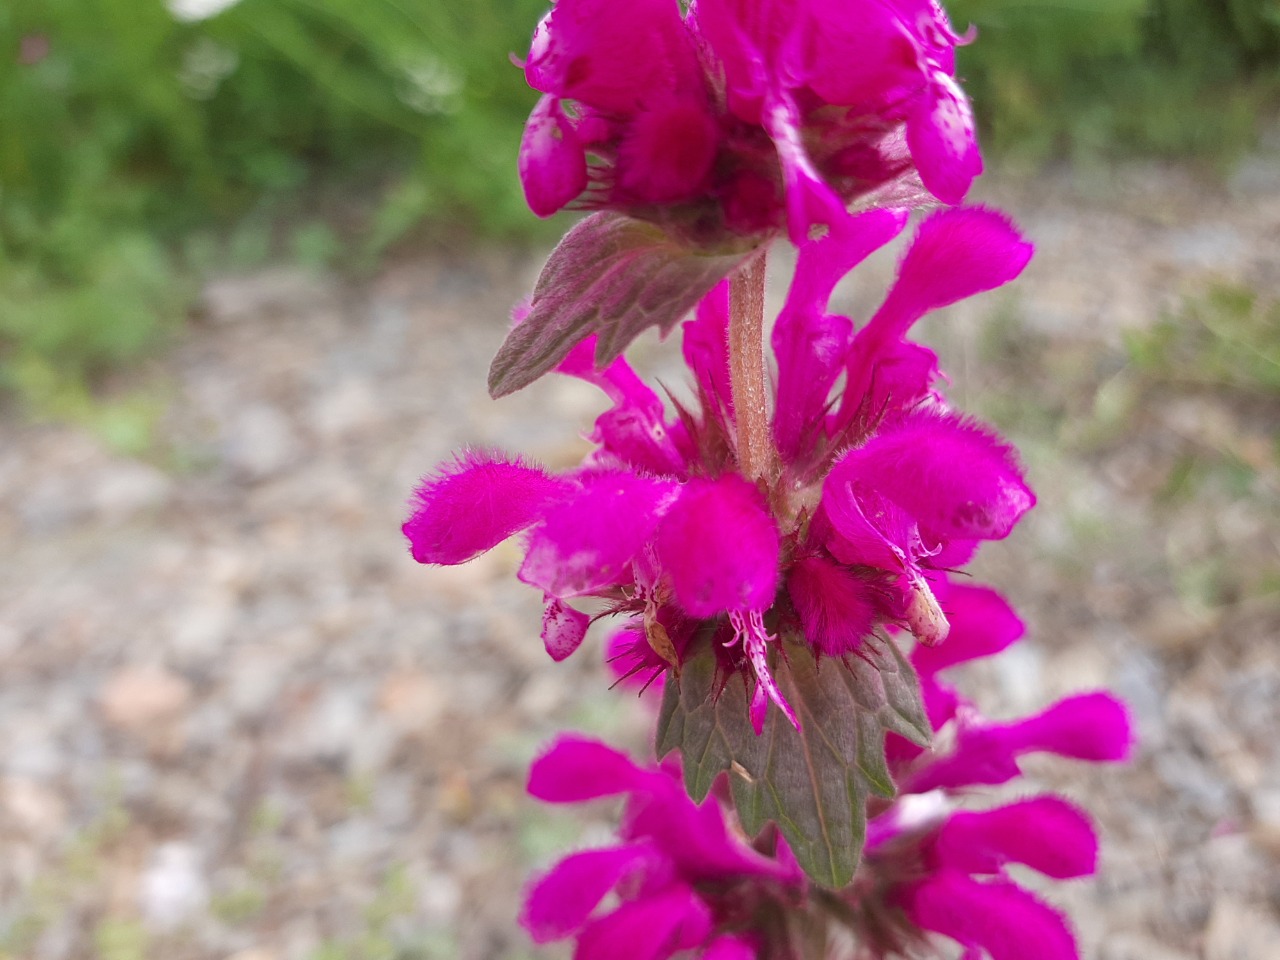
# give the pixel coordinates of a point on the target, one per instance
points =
(688, 883)
(875, 486)
(737, 116)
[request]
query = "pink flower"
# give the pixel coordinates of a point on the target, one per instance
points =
(674, 863)
(740, 115)
(876, 490)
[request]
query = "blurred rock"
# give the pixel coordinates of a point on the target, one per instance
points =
(1241, 931)
(260, 442)
(33, 807)
(121, 490)
(134, 698)
(1137, 946)
(173, 887)
(412, 700)
(1264, 803)
(200, 629)
(344, 408)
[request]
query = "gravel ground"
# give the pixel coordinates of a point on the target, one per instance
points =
(240, 722)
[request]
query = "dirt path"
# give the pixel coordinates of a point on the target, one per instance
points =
(241, 722)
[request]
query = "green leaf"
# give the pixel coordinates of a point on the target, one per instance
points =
(815, 782)
(611, 275)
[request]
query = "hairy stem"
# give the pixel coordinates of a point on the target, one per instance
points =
(746, 369)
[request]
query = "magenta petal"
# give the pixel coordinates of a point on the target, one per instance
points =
(635, 428)
(653, 928)
(705, 346)
(1090, 726)
(668, 149)
(866, 528)
(982, 624)
(836, 609)
(943, 141)
(998, 917)
(822, 262)
(940, 701)
(744, 38)
(983, 756)
(552, 163)
(812, 207)
(955, 477)
(719, 546)
(955, 254)
(811, 346)
(811, 349)
(1093, 727)
(1044, 833)
(618, 380)
(474, 503)
(562, 899)
(729, 948)
(904, 375)
(860, 52)
(563, 628)
(576, 769)
(612, 56)
(634, 664)
(588, 540)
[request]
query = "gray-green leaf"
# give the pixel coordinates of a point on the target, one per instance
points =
(611, 275)
(815, 782)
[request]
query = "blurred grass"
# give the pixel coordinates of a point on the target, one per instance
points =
(139, 153)
(1090, 79)
(1171, 442)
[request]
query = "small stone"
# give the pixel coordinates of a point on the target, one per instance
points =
(456, 800)
(254, 953)
(1240, 931)
(201, 629)
(260, 442)
(257, 677)
(1137, 946)
(1175, 627)
(173, 887)
(120, 491)
(36, 809)
(439, 897)
(135, 698)
(1264, 803)
(411, 700)
(344, 409)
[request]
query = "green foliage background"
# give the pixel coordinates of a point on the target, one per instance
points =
(138, 152)
(1173, 78)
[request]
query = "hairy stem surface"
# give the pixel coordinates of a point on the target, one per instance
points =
(746, 369)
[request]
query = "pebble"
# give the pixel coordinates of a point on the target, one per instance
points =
(260, 442)
(136, 697)
(35, 808)
(121, 491)
(1241, 931)
(173, 887)
(1137, 946)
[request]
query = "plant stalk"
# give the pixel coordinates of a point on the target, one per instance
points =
(747, 372)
